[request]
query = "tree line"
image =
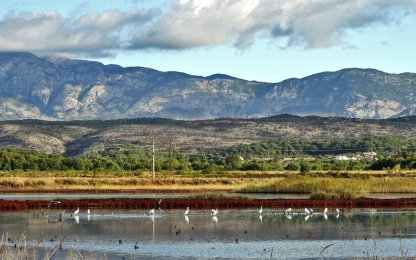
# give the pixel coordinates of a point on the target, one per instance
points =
(259, 156)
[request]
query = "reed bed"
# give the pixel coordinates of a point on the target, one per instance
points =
(219, 196)
(265, 182)
(24, 250)
(304, 184)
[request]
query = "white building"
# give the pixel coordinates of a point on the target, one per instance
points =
(342, 158)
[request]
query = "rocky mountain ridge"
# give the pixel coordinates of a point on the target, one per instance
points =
(63, 89)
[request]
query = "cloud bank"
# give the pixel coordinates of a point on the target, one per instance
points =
(195, 23)
(93, 34)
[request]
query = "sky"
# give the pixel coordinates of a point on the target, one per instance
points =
(262, 40)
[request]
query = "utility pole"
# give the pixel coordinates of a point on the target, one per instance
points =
(153, 169)
(170, 155)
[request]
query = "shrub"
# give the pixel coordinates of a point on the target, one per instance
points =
(321, 195)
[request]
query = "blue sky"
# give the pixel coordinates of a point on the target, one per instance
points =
(263, 40)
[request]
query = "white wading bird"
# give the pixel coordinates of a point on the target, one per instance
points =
(214, 212)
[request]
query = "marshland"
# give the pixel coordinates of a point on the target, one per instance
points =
(374, 193)
(232, 234)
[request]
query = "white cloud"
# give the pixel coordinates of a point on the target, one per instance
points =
(92, 34)
(310, 23)
(199, 23)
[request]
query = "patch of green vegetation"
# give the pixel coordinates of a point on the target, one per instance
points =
(219, 196)
(51, 125)
(321, 195)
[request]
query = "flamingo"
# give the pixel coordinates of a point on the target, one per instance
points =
(187, 210)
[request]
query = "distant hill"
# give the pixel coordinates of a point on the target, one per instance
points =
(63, 89)
(75, 138)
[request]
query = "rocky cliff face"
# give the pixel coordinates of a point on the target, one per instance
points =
(64, 89)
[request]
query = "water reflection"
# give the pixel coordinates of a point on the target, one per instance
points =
(159, 236)
(60, 196)
(214, 219)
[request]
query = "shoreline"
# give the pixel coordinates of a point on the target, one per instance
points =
(201, 204)
(115, 191)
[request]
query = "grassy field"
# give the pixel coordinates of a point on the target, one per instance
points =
(357, 183)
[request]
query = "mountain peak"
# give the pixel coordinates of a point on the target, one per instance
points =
(56, 88)
(220, 76)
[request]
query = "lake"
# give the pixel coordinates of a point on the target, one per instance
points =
(172, 235)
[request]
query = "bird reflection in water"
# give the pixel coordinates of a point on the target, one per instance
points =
(214, 218)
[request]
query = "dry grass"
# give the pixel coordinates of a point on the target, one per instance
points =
(23, 250)
(271, 181)
(123, 183)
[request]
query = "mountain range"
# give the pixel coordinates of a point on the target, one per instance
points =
(51, 88)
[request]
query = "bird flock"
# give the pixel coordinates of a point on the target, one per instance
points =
(308, 213)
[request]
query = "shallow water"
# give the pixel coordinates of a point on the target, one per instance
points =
(202, 236)
(60, 196)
